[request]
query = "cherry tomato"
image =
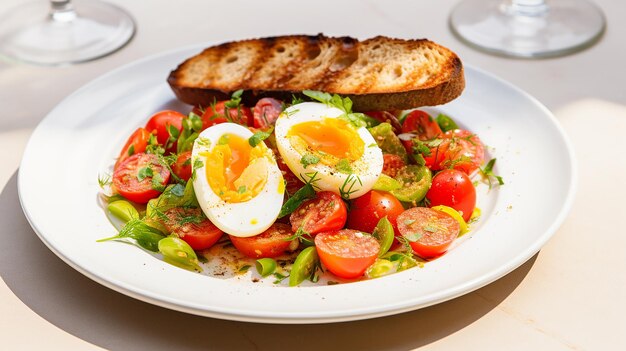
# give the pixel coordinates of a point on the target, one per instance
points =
(421, 124)
(270, 243)
(182, 166)
(193, 227)
(453, 188)
(392, 164)
(126, 178)
(346, 253)
(327, 212)
(136, 144)
(266, 112)
(386, 117)
(214, 114)
(367, 210)
(161, 121)
(430, 232)
(459, 149)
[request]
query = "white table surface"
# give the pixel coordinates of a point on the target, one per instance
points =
(570, 296)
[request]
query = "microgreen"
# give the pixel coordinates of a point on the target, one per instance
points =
(309, 159)
(343, 166)
(104, 180)
(487, 172)
(259, 136)
(347, 188)
(357, 119)
(144, 173)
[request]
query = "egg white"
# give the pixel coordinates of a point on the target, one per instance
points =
(242, 219)
(366, 169)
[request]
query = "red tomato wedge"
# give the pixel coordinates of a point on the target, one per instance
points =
(429, 232)
(459, 149)
(193, 227)
(347, 253)
(182, 166)
(327, 212)
(215, 114)
(270, 243)
(420, 123)
(136, 144)
(367, 210)
(266, 112)
(135, 180)
(160, 123)
(453, 188)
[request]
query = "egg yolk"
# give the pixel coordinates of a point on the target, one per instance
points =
(236, 171)
(332, 139)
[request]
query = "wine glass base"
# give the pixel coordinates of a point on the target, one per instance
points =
(29, 34)
(498, 27)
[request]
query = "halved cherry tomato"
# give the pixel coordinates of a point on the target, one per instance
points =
(160, 123)
(327, 212)
(134, 181)
(193, 227)
(266, 112)
(214, 114)
(136, 144)
(392, 164)
(420, 123)
(430, 232)
(270, 243)
(182, 166)
(347, 253)
(367, 210)
(387, 117)
(459, 149)
(453, 188)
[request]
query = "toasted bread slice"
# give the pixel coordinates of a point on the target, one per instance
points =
(377, 74)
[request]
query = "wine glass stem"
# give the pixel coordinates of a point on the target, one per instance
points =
(61, 11)
(527, 7)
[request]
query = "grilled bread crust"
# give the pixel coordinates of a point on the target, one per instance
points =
(377, 74)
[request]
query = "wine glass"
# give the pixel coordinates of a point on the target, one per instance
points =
(58, 33)
(528, 28)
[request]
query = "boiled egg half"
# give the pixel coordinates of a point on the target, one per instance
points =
(238, 186)
(329, 151)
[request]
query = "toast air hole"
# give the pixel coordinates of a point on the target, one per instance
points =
(313, 53)
(232, 59)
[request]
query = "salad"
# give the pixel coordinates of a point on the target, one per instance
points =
(296, 190)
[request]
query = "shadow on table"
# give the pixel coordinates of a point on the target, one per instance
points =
(108, 319)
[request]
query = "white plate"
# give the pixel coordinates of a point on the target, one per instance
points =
(79, 139)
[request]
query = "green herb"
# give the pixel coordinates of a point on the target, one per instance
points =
(104, 180)
(305, 193)
(235, 99)
(144, 173)
(192, 125)
(141, 233)
(279, 277)
(223, 140)
(241, 189)
(429, 228)
(131, 150)
(347, 188)
(309, 159)
(332, 282)
(358, 120)
(487, 172)
(258, 137)
(204, 142)
(157, 182)
(244, 269)
(343, 166)
(178, 190)
(296, 100)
